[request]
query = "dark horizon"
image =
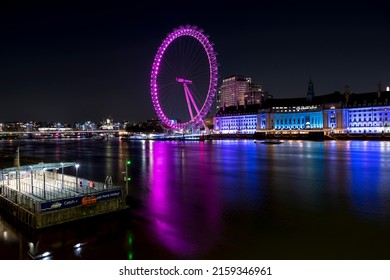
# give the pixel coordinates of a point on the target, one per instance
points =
(69, 61)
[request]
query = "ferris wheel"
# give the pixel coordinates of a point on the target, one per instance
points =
(184, 79)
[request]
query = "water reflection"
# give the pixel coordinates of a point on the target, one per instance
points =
(366, 177)
(178, 196)
(223, 200)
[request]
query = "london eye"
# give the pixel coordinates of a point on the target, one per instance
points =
(184, 79)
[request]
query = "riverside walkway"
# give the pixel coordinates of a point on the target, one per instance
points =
(41, 195)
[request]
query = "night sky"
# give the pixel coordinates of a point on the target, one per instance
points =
(73, 61)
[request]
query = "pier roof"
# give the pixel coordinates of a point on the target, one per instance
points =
(40, 166)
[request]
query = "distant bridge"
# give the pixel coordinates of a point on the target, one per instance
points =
(64, 131)
(54, 134)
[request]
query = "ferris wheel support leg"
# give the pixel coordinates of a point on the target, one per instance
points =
(195, 106)
(191, 98)
(188, 94)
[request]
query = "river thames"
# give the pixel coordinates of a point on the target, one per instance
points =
(227, 199)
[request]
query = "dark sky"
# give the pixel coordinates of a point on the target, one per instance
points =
(84, 60)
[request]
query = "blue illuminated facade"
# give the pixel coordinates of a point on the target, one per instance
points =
(294, 118)
(368, 119)
(243, 124)
(333, 113)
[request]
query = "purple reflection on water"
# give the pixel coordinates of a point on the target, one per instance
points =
(174, 181)
(227, 200)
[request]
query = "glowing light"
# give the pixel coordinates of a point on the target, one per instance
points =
(211, 55)
(45, 255)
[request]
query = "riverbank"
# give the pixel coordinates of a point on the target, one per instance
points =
(304, 135)
(360, 136)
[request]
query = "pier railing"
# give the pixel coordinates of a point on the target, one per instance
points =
(41, 198)
(53, 192)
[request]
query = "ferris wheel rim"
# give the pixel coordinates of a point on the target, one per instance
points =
(196, 33)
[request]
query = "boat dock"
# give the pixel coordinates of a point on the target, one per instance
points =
(41, 195)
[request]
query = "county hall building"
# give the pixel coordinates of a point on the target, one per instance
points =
(336, 112)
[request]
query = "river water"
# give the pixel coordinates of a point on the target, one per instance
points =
(227, 199)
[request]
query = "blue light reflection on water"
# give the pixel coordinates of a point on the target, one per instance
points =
(239, 199)
(368, 177)
(238, 178)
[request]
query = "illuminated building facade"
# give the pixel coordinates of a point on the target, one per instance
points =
(244, 124)
(335, 112)
(300, 117)
(362, 113)
(232, 91)
(239, 90)
(369, 120)
(237, 119)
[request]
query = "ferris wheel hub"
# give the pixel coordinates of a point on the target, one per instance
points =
(183, 81)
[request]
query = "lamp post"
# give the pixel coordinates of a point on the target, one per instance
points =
(128, 162)
(18, 177)
(32, 179)
(2, 177)
(77, 179)
(62, 175)
(44, 183)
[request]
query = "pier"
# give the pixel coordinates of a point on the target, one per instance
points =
(41, 195)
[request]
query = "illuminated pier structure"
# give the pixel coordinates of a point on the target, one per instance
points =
(41, 195)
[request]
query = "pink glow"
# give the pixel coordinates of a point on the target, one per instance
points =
(184, 81)
(208, 47)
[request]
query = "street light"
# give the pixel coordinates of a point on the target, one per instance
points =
(2, 176)
(32, 179)
(128, 162)
(44, 183)
(77, 168)
(62, 177)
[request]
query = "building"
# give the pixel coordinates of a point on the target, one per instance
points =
(255, 94)
(237, 119)
(362, 113)
(232, 91)
(335, 112)
(239, 90)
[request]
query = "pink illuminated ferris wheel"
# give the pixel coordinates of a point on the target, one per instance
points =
(184, 78)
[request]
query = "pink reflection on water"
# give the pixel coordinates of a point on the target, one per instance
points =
(172, 201)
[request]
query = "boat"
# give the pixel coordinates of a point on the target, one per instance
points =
(272, 141)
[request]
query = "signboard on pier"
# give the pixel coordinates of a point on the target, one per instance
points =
(58, 204)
